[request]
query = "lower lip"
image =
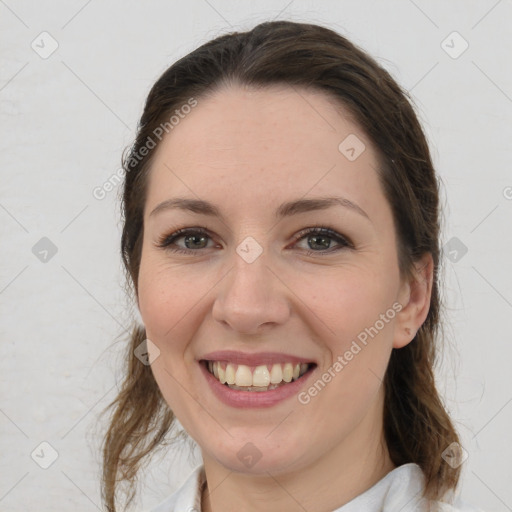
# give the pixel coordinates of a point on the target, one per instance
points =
(249, 399)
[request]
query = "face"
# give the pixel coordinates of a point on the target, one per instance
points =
(259, 279)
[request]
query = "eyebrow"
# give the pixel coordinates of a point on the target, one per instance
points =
(285, 210)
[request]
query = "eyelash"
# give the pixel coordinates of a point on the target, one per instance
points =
(165, 241)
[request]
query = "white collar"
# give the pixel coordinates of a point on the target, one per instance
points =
(400, 490)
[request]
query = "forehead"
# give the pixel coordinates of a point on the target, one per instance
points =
(264, 145)
(237, 120)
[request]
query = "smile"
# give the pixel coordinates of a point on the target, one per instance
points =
(256, 378)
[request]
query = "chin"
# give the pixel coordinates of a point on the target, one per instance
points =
(256, 455)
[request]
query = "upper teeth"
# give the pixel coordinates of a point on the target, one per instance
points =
(241, 375)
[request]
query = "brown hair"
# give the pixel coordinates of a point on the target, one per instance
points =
(417, 427)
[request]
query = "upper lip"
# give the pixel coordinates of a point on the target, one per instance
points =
(254, 359)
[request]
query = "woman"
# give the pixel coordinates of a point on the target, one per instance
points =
(281, 232)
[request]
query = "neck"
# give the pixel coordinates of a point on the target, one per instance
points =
(329, 482)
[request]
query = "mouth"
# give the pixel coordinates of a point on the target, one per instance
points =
(260, 378)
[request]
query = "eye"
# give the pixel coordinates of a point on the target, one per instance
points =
(321, 238)
(196, 239)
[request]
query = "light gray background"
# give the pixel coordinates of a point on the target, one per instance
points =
(65, 120)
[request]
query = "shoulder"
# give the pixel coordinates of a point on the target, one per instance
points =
(404, 486)
(457, 506)
(187, 497)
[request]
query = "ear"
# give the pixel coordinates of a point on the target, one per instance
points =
(414, 296)
(136, 313)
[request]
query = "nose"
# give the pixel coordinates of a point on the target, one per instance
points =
(251, 297)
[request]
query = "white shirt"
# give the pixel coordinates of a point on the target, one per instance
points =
(399, 490)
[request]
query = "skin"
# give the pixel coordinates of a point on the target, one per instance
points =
(248, 152)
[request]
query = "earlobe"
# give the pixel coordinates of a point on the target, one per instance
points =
(415, 293)
(137, 313)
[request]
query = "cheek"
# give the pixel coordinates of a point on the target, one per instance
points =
(173, 301)
(168, 302)
(164, 297)
(347, 301)
(349, 305)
